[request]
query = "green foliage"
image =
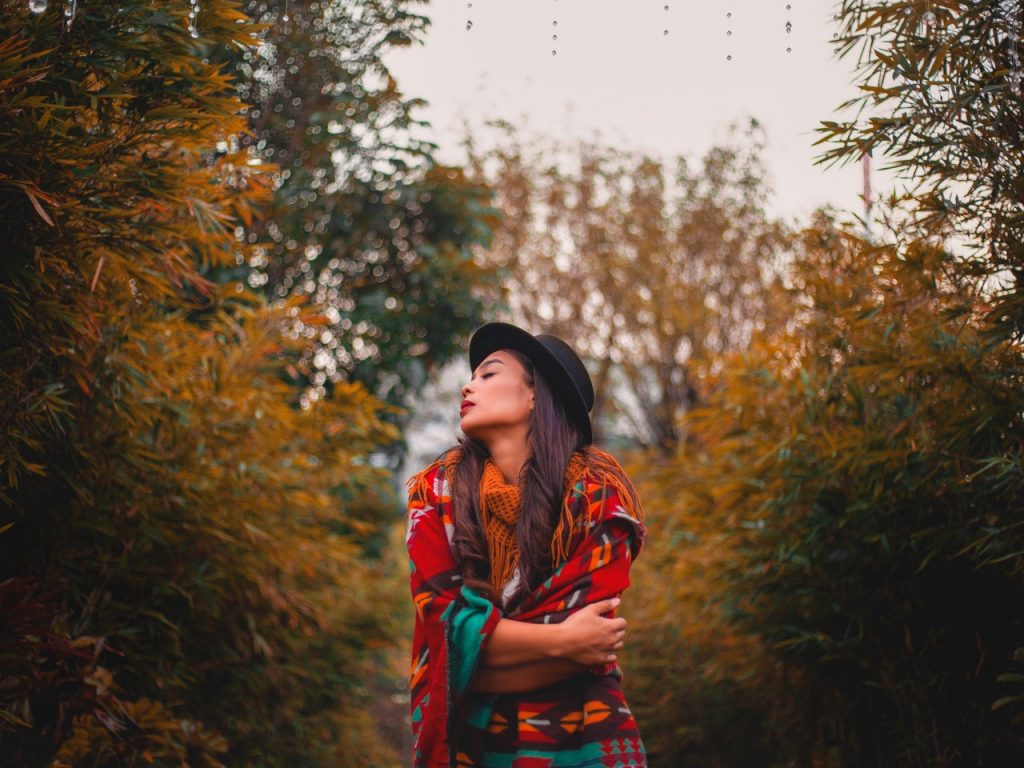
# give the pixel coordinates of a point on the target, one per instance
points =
(694, 680)
(941, 98)
(837, 554)
(107, 198)
(362, 219)
(871, 458)
(842, 533)
(182, 528)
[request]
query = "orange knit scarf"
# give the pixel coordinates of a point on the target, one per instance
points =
(500, 504)
(499, 514)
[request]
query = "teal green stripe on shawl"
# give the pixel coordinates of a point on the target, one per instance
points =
(465, 637)
(465, 620)
(594, 755)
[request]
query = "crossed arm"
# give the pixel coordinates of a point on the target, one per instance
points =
(521, 656)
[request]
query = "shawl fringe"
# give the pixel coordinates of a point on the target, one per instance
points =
(590, 462)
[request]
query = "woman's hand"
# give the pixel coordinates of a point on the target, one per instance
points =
(588, 638)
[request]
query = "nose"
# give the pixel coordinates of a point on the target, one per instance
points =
(465, 390)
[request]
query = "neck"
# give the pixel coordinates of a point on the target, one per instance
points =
(509, 455)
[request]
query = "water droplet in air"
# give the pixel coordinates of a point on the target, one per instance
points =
(665, 32)
(728, 33)
(554, 53)
(554, 23)
(666, 7)
(729, 57)
(788, 6)
(554, 37)
(195, 34)
(789, 27)
(37, 6)
(928, 18)
(789, 50)
(907, 11)
(286, 18)
(469, 5)
(469, 25)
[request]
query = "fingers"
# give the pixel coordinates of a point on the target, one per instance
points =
(603, 606)
(614, 626)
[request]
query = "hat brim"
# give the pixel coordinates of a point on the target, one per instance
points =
(494, 336)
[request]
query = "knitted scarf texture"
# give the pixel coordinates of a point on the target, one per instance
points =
(499, 514)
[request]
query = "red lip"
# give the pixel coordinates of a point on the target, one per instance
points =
(466, 404)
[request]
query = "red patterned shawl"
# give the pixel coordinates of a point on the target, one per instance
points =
(454, 623)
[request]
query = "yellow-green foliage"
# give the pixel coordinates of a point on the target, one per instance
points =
(844, 524)
(837, 558)
(182, 576)
(695, 681)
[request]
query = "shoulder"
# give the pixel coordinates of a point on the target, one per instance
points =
(598, 481)
(600, 501)
(432, 483)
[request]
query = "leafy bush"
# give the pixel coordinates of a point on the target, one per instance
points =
(182, 531)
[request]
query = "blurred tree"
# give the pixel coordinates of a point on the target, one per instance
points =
(845, 518)
(705, 691)
(362, 219)
(867, 460)
(649, 278)
(182, 576)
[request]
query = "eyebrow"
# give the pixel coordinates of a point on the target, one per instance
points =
(489, 362)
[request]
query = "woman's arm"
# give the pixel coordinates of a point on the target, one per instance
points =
(585, 638)
(523, 678)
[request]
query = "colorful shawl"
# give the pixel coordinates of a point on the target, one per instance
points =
(581, 722)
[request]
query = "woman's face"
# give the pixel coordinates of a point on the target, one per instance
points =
(497, 399)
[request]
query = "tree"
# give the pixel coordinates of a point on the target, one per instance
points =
(647, 276)
(695, 679)
(941, 86)
(857, 472)
(363, 221)
(867, 457)
(182, 535)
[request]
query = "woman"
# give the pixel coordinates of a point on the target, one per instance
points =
(520, 540)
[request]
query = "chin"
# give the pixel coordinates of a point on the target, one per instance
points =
(471, 428)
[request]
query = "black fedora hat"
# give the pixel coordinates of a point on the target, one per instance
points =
(556, 360)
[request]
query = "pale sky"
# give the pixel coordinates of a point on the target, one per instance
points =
(618, 73)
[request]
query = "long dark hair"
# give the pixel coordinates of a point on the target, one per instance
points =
(551, 439)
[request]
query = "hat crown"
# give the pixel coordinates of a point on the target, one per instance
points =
(573, 365)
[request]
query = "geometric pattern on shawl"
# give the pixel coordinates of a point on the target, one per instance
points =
(581, 722)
